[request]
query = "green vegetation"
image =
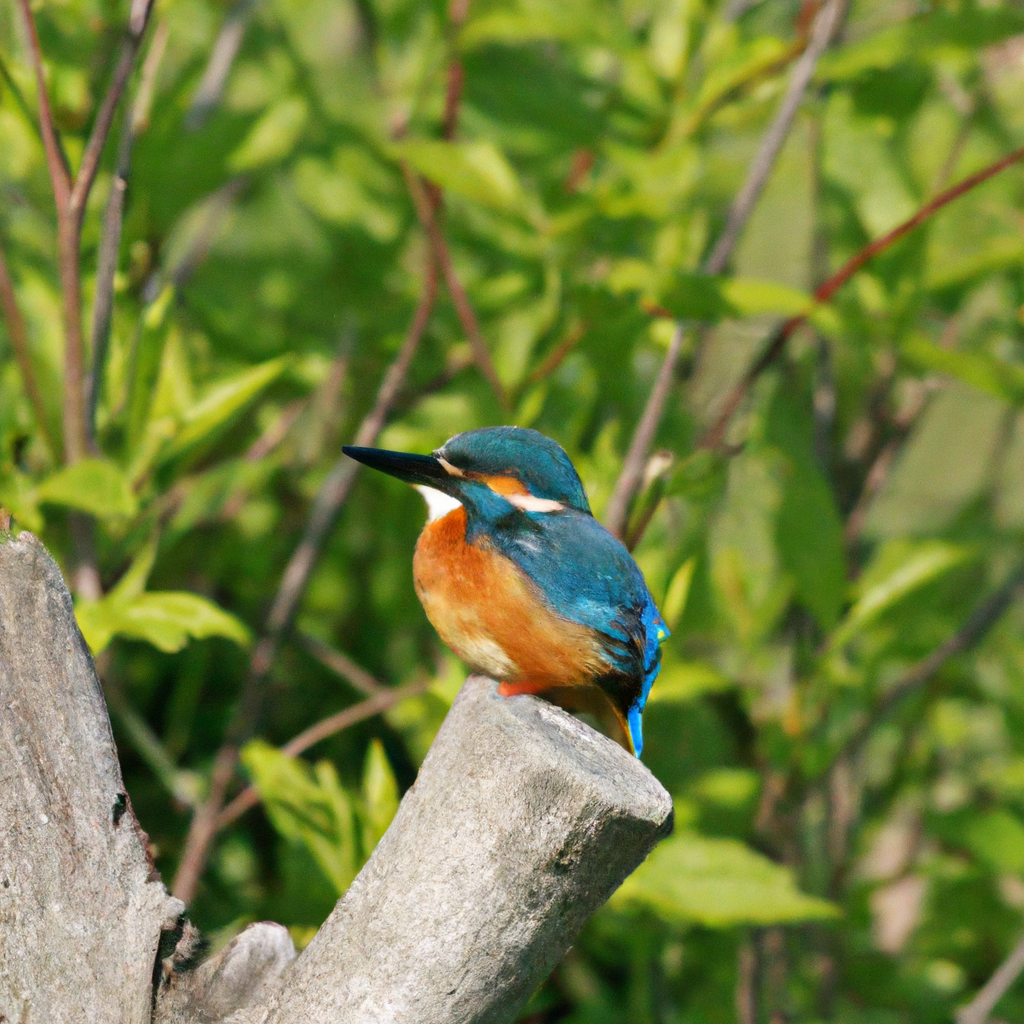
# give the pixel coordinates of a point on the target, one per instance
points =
(387, 221)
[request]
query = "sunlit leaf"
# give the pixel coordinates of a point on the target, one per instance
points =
(678, 591)
(922, 564)
(380, 795)
(979, 369)
(691, 879)
(475, 170)
(273, 136)
(166, 619)
(997, 837)
(308, 805)
(227, 398)
(701, 297)
(683, 681)
(96, 486)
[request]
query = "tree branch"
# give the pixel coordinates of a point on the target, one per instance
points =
(979, 1008)
(471, 872)
(369, 708)
(56, 161)
(331, 496)
(758, 173)
(973, 631)
(340, 664)
(715, 435)
(426, 213)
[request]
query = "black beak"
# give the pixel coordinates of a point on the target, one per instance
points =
(413, 469)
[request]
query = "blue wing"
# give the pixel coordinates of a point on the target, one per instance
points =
(588, 576)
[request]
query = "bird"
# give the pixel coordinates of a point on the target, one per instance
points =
(522, 582)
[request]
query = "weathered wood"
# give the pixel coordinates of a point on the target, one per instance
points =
(242, 974)
(81, 909)
(521, 823)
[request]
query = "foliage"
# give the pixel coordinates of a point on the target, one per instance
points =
(853, 823)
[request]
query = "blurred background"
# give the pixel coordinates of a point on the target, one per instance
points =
(387, 221)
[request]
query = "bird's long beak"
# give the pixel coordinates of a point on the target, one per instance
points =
(413, 469)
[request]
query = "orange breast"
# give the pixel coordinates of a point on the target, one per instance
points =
(492, 615)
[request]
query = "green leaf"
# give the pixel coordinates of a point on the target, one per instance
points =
(678, 591)
(809, 534)
(272, 137)
(997, 837)
(166, 619)
(702, 297)
(96, 486)
(227, 398)
(307, 805)
(380, 796)
(475, 170)
(681, 681)
(922, 564)
(978, 369)
(690, 879)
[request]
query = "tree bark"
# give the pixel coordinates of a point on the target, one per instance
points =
(521, 823)
(81, 909)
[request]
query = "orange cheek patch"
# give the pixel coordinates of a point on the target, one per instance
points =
(505, 485)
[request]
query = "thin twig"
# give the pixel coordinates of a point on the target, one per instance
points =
(18, 334)
(771, 145)
(743, 205)
(617, 512)
(978, 1009)
(554, 359)
(56, 160)
(136, 117)
(70, 197)
(222, 56)
(426, 214)
(713, 437)
(332, 494)
(340, 664)
(368, 708)
(973, 631)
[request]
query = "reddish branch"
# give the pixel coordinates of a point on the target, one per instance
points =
(374, 705)
(70, 196)
(743, 205)
(715, 435)
(426, 212)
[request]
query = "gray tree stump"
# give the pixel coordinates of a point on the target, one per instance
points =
(80, 909)
(521, 823)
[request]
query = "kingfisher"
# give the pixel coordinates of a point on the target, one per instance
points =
(522, 582)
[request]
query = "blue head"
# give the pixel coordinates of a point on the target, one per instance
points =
(489, 469)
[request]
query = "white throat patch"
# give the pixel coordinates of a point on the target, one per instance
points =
(438, 503)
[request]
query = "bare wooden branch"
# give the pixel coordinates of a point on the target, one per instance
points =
(330, 726)
(743, 205)
(427, 214)
(331, 496)
(522, 822)
(771, 144)
(340, 664)
(81, 908)
(136, 116)
(978, 1009)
